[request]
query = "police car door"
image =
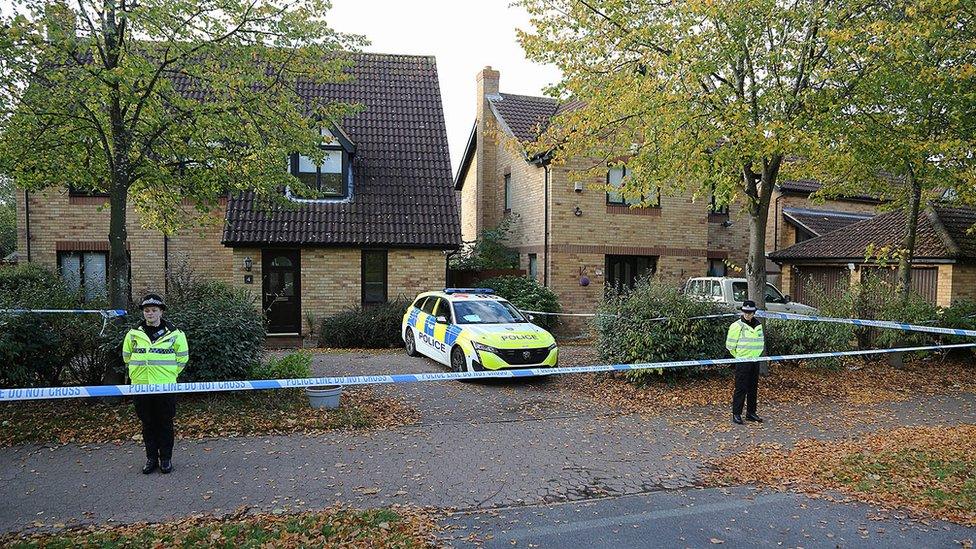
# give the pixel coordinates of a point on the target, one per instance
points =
(443, 319)
(425, 326)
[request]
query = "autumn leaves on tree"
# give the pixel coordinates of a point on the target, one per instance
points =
(727, 97)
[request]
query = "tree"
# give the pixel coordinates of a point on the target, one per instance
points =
(8, 218)
(709, 95)
(908, 130)
(158, 102)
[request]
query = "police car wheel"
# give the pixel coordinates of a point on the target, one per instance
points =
(458, 361)
(410, 343)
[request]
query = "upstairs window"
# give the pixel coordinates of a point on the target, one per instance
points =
(331, 175)
(715, 208)
(615, 180)
(508, 192)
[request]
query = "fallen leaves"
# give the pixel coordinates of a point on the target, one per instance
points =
(202, 416)
(930, 470)
(859, 382)
(397, 526)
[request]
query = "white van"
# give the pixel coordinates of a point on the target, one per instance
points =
(731, 292)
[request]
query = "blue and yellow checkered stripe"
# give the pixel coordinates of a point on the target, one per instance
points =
(423, 322)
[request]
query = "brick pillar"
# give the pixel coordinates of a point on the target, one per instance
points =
(487, 83)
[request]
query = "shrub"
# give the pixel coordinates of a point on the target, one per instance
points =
(224, 331)
(962, 315)
(294, 365)
(526, 293)
(876, 299)
(36, 349)
(376, 327)
(788, 337)
(628, 331)
(489, 251)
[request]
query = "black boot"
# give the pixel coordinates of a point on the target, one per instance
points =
(165, 466)
(753, 417)
(150, 466)
(737, 419)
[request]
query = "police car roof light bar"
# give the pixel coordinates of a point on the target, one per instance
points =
(468, 291)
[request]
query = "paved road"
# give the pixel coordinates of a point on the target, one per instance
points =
(478, 446)
(737, 517)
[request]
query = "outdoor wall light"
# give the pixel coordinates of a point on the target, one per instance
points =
(248, 263)
(577, 211)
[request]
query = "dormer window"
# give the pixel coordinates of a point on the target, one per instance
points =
(331, 176)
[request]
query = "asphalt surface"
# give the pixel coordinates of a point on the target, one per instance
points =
(736, 517)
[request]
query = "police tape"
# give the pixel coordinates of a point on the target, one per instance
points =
(872, 323)
(108, 313)
(43, 393)
(660, 318)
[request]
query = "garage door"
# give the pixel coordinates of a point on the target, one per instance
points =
(925, 280)
(815, 285)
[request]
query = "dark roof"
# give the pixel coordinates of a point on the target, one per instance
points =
(809, 186)
(523, 116)
(402, 190)
(818, 222)
(942, 234)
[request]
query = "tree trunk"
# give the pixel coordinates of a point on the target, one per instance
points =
(119, 292)
(758, 215)
(911, 231)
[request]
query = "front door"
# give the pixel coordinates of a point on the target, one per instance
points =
(281, 289)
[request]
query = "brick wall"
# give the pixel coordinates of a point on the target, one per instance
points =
(963, 281)
(58, 221)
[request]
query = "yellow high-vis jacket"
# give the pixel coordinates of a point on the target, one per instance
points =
(155, 362)
(744, 341)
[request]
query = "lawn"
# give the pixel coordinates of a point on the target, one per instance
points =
(397, 527)
(200, 416)
(929, 470)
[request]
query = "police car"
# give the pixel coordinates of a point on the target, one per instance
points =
(472, 329)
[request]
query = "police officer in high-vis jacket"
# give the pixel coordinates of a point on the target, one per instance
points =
(745, 340)
(155, 352)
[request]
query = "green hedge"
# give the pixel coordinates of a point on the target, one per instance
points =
(628, 332)
(224, 330)
(296, 365)
(43, 350)
(526, 294)
(376, 327)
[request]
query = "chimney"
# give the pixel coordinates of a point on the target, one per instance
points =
(487, 81)
(485, 192)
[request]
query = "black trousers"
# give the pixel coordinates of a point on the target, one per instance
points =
(746, 387)
(156, 413)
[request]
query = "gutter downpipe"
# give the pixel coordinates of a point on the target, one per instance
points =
(165, 263)
(27, 230)
(545, 160)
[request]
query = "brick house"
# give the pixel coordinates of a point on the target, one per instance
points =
(943, 269)
(383, 229)
(577, 237)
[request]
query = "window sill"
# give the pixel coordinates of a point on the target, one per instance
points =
(653, 211)
(83, 200)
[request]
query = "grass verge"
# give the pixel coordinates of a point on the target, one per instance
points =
(929, 470)
(201, 416)
(396, 527)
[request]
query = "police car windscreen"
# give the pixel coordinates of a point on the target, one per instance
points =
(486, 312)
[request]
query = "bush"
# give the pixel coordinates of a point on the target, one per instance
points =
(295, 365)
(876, 299)
(790, 337)
(224, 331)
(376, 327)
(527, 294)
(628, 332)
(35, 350)
(961, 315)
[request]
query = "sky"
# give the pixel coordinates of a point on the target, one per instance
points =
(463, 35)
